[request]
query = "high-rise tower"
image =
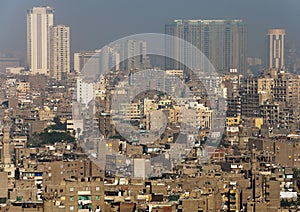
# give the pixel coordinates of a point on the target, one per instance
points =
(224, 42)
(39, 21)
(59, 52)
(275, 41)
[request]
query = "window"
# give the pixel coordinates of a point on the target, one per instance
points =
(71, 198)
(84, 198)
(97, 188)
(71, 208)
(97, 197)
(71, 189)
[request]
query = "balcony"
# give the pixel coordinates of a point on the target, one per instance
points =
(84, 193)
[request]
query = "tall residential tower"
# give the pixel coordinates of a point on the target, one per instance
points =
(39, 21)
(224, 42)
(59, 52)
(275, 41)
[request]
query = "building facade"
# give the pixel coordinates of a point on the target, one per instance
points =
(82, 58)
(223, 42)
(102, 60)
(60, 52)
(39, 21)
(273, 97)
(275, 41)
(133, 55)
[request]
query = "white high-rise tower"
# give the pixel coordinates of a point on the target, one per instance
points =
(275, 48)
(39, 21)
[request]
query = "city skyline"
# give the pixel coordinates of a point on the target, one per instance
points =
(150, 107)
(85, 37)
(48, 45)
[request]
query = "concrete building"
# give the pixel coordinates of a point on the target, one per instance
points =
(141, 168)
(250, 98)
(175, 73)
(284, 151)
(39, 21)
(130, 111)
(99, 60)
(275, 44)
(81, 58)
(85, 91)
(231, 84)
(149, 105)
(110, 59)
(196, 115)
(274, 97)
(6, 156)
(3, 188)
(60, 52)
(133, 55)
(224, 42)
(76, 194)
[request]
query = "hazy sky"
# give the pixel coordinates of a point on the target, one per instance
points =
(95, 23)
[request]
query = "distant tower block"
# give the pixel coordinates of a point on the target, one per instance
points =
(275, 42)
(60, 52)
(6, 139)
(39, 21)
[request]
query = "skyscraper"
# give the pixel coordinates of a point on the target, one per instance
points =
(224, 42)
(59, 52)
(275, 40)
(132, 48)
(133, 55)
(39, 21)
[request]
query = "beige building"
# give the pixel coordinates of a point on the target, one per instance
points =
(84, 194)
(81, 58)
(46, 114)
(275, 44)
(275, 97)
(175, 73)
(196, 115)
(3, 188)
(23, 87)
(39, 21)
(149, 105)
(130, 111)
(60, 52)
(285, 152)
(5, 152)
